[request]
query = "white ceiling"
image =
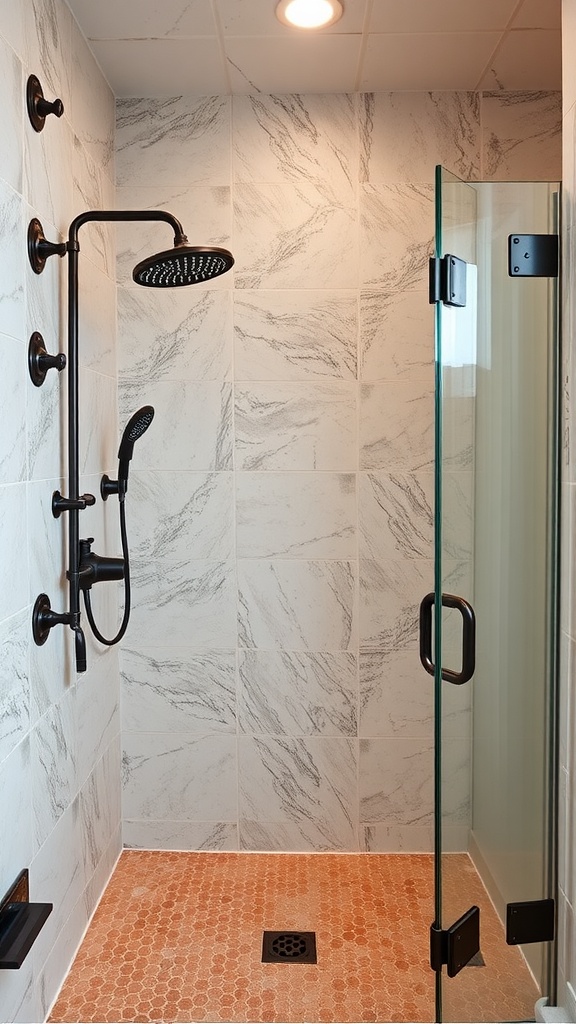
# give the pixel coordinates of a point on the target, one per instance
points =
(210, 47)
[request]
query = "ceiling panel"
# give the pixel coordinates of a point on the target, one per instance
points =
(162, 67)
(527, 59)
(426, 62)
(441, 16)
(325, 63)
(257, 18)
(144, 19)
(536, 14)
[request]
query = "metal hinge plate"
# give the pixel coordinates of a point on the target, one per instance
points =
(531, 921)
(447, 280)
(455, 946)
(533, 255)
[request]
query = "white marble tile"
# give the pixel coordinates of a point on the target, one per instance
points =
(199, 599)
(52, 665)
(57, 876)
(456, 780)
(174, 516)
(93, 190)
(54, 760)
(48, 176)
(46, 436)
(14, 549)
(397, 838)
(397, 427)
(299, 515)
(291, 138)
(390, 596)
(296, 335)
(294, 236)
(180, 835)
(296, 605)
(297, 694)
(177, 777)
(45, 296)
(97, 884)
(12, 26)
(46, 543)
(192, 428)
(97, 320)
(296, 427)
(98, 422)
(292, 837)
(17, 847)
(18, 994)
(98, 712)
(396, 696)
(100, 810)
(395, 513)
(92, 107)
(13, 272)
(178, 690)
(204, 211)
(308, 782)
(175, 141)
(11, 118)
(13, 389)
(14, 681)
(181, 334)
(522, 136)
(396, 336)
(52, 973)
(458, 515)
(396, 781)
(404, 134)
(396, 236)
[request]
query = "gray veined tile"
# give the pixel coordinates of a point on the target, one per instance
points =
(379, 838)
(18, 845)
(179, 690)
(396, 336)
(304, 782)
(293, 236)
(297, 694)
(396, 695)
(396, 781)
(192, 427)
(13, 389)
(12, 268)
(305, 836)
(296, 427)
(93, 109)
(296, 605)
(54, 760)
(93, 190)
(13, 597)
(175, 516)
(171, 776)
(178, 335)
(304, 515)
(396, 515)
(11, 83)
(396, 236)
(184, 603)
(180, 835)
(522, 135)
(14, 681)
(100, 806)
(403, 135)
(288, 138)
(295, 335)
(397, 427)
(175, 141)
(390, 596)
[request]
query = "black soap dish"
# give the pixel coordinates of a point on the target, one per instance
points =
(20, 923)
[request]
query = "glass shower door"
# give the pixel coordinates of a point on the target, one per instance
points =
(493, 646)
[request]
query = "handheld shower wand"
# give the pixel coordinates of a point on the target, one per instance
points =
(94, 568)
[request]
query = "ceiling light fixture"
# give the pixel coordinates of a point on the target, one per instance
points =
(309, 13)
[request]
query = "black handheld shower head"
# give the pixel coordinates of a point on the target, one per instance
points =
(136, 426)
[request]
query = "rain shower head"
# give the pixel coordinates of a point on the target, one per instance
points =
(184, 264)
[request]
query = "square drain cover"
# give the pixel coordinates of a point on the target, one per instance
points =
(289, 948)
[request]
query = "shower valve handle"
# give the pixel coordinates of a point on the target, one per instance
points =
(61, 504)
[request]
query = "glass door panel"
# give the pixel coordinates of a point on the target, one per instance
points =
(495, 543)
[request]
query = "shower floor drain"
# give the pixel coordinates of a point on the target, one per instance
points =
(289, 948)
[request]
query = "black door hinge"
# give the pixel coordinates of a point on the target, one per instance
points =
(532, 921)
(533, 255)
(455, 946)
(447, 280)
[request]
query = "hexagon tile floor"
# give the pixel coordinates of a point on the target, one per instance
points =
(177, 937)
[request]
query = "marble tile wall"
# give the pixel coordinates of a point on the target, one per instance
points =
(59, 733)
(281, 502)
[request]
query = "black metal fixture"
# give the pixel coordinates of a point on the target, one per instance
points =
(20, 923)
(183, 264)
(38, 107)
(39, 361)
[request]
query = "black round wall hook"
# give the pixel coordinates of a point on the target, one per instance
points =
(43, 619)
(38, 107)
(39, 361)
(39, 248)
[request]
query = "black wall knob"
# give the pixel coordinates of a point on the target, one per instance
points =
(38, 106)
(39, 361)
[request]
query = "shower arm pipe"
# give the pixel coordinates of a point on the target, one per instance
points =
(74, 502)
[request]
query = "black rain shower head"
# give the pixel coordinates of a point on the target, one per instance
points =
(184, 264)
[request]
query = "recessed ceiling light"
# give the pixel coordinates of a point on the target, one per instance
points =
(309, 13)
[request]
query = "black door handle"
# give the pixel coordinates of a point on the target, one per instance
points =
(468, 637)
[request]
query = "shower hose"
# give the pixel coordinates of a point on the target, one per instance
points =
(88, 600)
